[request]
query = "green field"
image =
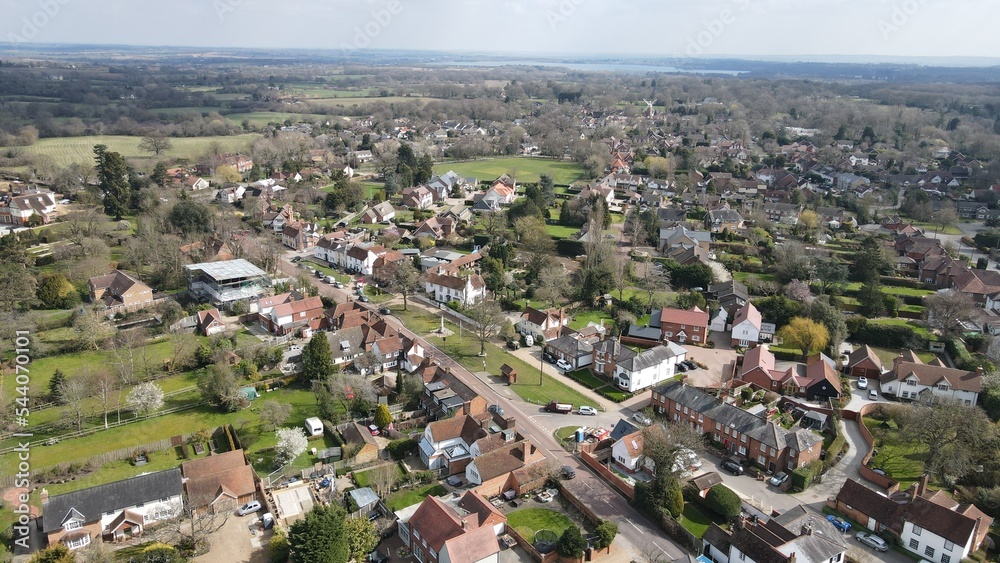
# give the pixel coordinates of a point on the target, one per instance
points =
(917, 326)
(408, 497)
(262, 118)
(528, 169)
(903, 461)
(68, 150)
(561, 231)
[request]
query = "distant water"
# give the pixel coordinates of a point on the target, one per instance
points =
(594, 67)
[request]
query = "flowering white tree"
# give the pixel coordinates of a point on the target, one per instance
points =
(291, 443)
(145, 398)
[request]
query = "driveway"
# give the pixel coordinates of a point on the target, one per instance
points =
(720, 361)
(236, 544)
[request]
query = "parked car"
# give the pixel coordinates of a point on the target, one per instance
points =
(377, 557)
(690, 364)
(778, 479)
(839, 523)
(454, 481)
(295, 347)
(373, 429)
(563, 365)
(363, 298)
(872, 394)
(682, 368)
(513, 344)
(589, 411)
(296, 259)
(338, 285)
(642, 419)
(568, 472)
(249, 508)
(385, 310)
(862, 382)
(733, 467)
(549, 358)
(496, 409)
(872, 541)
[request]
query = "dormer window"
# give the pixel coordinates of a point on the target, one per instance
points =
(71, 525)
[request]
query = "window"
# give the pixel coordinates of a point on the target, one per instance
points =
(72, 525)
(743, 450)
(948, 546)
(685, 410)
(914, 544)
(945, 558)
(929, 551)
(416, 534)
(696, 339)
(917, 530)
(911, 383)
(697, 328)
(84, 541)
(743, 556)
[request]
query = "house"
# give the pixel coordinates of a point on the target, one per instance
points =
(210, 322)
(746, 326)
(299, 235)
(912, 379)
(680, 325)
(379, 213)
(357, 435)
(447, 445)
(747, 435)
(929, 524)
(731, 294)
(817, 378)
(419, 197)
(120, 292)
(277, 219)
(445, 287)
(231, 194)
(195, 183)
(977, 284)
(289, 316)
(445, 395)
(798, 535)
(785, 213)
(682, 237)
(502, 192)
(226, 282)
(438, 532)
(639, 370)
(347, 343)
(575, 348)
(436, 228)
(219, 483)
(716, 220)
(626, 453)
(542, 325)
(19, 210)
(507, 468)
(112, 512)
(864, 362)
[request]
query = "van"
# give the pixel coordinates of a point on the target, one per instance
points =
(314, 427)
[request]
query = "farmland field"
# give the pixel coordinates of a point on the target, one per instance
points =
(261, 118)
(67, 150)
(528, 169)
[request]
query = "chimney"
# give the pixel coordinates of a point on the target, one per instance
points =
(922, 484)
(465, 524)
(525, 451)
(44, 496)
(979, 371)
(791, 557)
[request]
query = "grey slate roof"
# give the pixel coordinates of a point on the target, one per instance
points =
(95, 501)
(621, 429)
(570, 345)
(765, 432)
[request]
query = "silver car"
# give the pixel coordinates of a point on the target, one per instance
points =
(872, 541)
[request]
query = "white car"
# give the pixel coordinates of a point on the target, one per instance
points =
(249, 508)
(862, 382)
(589, 411)
(642, 419)
(563, 365)
(873, 394)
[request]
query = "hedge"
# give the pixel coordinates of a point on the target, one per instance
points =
(399, 449)
(883, 336)
(804, 476)
(570, 248)
(902, 282)
(833, 451)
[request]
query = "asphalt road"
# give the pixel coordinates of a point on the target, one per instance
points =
(634, 529)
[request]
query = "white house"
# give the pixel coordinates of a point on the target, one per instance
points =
(719, 321)
(627, 452)
(746, 326)
(649, 367)
(445, 287)
(912, 379)
(449, 443)
(542, 325)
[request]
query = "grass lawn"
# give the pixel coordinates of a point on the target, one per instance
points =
(586, 378)
(363, 478)
(916, 325)
(561, 231)
(742, 276)
(887, 355)
(417, 320)
(527, 387)
(903, 461)
(527, 521)
(931, 228)
(582, 318)
(262, 118)
(694, 520)
(408, 497)
(69, 150)
(528, 169)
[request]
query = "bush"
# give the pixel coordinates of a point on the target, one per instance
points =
(606, 532)
(399, 449)
(724, 502)
(804, 476)
(833, 451)
(571, 543)
(279, 548)
(883, 336)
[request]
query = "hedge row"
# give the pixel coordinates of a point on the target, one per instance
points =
(834, 450)
(804, 476)
(902, 282)
(883, 336)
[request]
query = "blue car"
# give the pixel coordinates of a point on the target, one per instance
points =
(841, 525)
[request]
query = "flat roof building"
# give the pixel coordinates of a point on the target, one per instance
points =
(226, 282)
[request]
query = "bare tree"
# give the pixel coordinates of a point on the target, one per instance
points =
(620, 273)
(274, 413)
(194, 524)
(553, 284)
(404, 278)
(105, 387)
(634, 226)
(155, 143)
(488, 318)
(75, 392)
(947, 311)
(383, 477)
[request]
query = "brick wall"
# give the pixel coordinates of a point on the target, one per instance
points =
(890, 485)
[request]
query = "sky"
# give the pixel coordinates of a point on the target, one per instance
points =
(689, 28)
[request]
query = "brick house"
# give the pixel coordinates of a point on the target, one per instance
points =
(438, 532)
(492, 473)
(288, 316)
(543, 326)
(754, 438)
(864, 362)
(119, 291)
(219, 483)
(680, 325)
(210, 322)
(912, 379)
